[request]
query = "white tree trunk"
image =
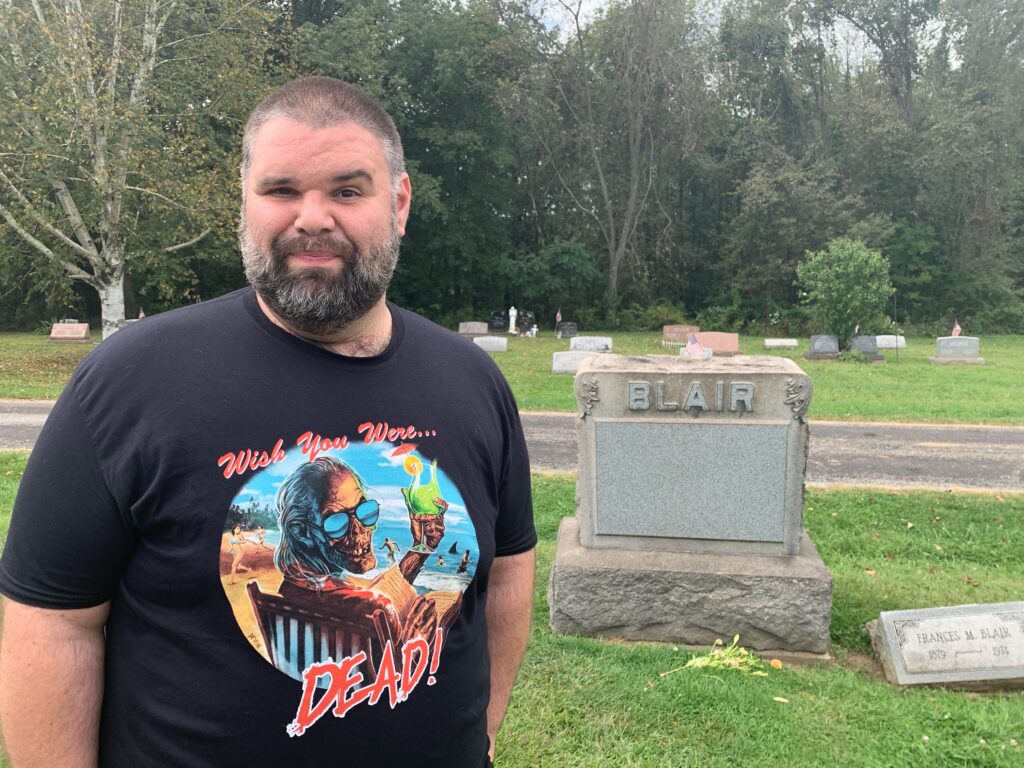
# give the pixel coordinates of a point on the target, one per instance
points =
(112, 305)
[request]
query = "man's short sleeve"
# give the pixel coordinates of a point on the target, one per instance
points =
(515, 532)
(67, 543)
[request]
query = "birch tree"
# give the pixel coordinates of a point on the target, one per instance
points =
(100, 162)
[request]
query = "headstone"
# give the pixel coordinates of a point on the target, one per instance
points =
(977, 647)
(780, 343)
(708, 354)
(867, 346)
(591, 344)
(498, 321)
(512, 313)
(472, 329)
(891, 342)
(689, 493)
(958, 349)
(492, 343)
(678, 334)
(823, 347)
(566, 330)
(569, 362)
(527, 320)
(70, 333)
(722, 344)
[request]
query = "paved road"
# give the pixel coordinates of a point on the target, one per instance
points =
(856, 453)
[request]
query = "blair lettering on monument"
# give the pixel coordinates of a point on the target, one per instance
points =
(972, 646)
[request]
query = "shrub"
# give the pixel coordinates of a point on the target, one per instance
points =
(846, 284)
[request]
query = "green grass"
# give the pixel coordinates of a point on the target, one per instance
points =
(582, 703)
(909, 390)
(34, 368)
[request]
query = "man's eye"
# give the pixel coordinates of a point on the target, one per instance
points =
(281, 192)
(348, 192)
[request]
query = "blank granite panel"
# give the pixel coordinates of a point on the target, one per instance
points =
(694, 481)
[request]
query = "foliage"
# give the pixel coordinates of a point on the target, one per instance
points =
(847, 284)
(108, 107)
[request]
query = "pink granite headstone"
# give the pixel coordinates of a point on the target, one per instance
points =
(680, 333)
(722, 344)
(70, 333)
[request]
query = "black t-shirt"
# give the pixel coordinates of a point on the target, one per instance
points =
(296, 544)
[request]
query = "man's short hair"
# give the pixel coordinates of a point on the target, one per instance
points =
(322, 102)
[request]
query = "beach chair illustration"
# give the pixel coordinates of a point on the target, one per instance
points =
(298, 633)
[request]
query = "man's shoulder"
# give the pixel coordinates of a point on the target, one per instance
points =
(162, 338)
(427, 336)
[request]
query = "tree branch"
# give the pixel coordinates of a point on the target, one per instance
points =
(41, 220)
(71, 268)
(187, 243)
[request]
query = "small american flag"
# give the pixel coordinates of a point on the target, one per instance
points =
(694, 349)
(956, 328)
(558, 316)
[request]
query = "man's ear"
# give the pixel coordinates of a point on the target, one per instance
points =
(403, 198)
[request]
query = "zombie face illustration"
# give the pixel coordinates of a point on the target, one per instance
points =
(326, 522)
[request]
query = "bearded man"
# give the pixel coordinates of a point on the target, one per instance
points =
(120, 647)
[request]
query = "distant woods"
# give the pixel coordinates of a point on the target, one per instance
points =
(651, 162)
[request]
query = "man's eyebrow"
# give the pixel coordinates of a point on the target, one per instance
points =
(359, 173)
(287, 181)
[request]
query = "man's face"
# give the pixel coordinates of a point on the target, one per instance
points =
(321, 223)
(354, 550)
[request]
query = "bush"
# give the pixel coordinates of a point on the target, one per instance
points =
(846, 285)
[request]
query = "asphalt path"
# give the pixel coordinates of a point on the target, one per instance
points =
(841, 453)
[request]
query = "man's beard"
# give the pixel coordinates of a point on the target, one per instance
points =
(313, 300)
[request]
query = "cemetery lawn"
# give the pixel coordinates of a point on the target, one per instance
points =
(909, 390)
(34, 368)
(583, 703)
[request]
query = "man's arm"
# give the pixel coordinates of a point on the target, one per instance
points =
(509, 604)
(51, 684)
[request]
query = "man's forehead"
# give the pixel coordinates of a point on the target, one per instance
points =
(273, 141)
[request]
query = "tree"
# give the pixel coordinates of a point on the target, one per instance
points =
(599, 107)
(112, 122)
(846, 284)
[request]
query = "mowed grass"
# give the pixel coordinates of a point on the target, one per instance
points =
(582, 703)
(34, 368)
(905, 389)
(910, 389)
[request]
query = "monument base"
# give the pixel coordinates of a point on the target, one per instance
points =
(774, 603)
(957, 360)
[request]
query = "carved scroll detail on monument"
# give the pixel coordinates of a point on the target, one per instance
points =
(901, 628)
(798, 396)
(586, 394)
(1017, 617)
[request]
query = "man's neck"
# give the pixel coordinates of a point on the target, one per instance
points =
(366, 336)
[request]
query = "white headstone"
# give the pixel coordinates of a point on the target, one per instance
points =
(780, 343)
(569, 362)
(492, 343)
(590, 344)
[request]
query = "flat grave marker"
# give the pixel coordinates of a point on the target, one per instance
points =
(569, 362)
(890, 342)
(977, 647)
(590, 344)
(491, 343)
(70, 333)
(780, 343)
(473, 328)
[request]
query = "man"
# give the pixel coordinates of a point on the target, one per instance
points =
(125, 645)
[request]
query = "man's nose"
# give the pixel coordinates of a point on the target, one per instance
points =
(314, 215)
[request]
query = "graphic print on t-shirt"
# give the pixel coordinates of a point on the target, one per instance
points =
(345, 563)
